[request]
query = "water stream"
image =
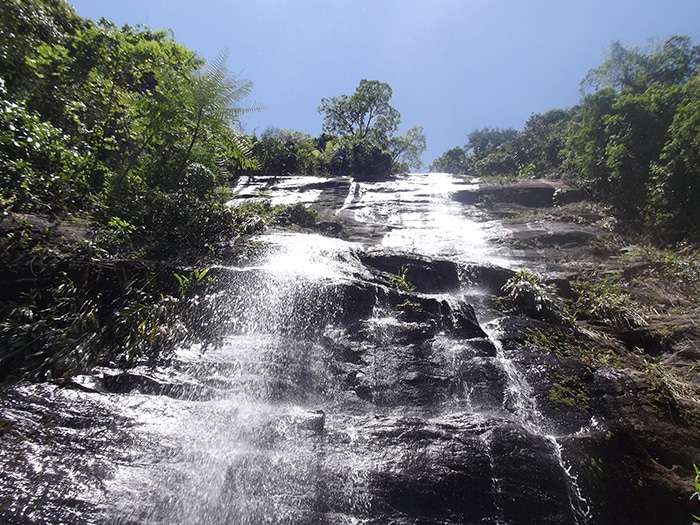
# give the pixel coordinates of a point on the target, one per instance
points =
(325, 402)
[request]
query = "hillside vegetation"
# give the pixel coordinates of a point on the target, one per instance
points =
(633, 141)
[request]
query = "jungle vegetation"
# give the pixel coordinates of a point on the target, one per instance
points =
(125, 126)
(358, 139)
(118, 146)
(633, 141)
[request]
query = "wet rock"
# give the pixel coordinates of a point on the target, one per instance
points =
(464, 468)
(86, 383)
(483, 347)
(425, 274)
(457, 318)
(428, 473)
(530, 193)
(543, 234)
(356, 301)
(483, 383)
(132, 382)
(624, 483)
(488, 278)
(421, 417)
(313, 420)
(463, 322)
(531, 483)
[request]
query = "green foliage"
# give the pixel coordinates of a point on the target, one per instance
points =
(454, 160)
(674, 189)
(188, 282)
(365, 160)
(556, 341)
(400, 280)
(526, 295)
(541, 142)
(366, 114)
(631, 143)
(135, 135)
(585, 148)
(285, 152)
(24, 26)
(630, 69)
(637, 130)
(493, 151)
(116, 122)
(569, 391)
(213, 107)
(68, 328)
(496, 164)
(44, 341)
(696, 486)
(604, 300)
(488, 152)
(255, 214)
(409, 306)
(115, 236)
(406, 150)
(484, 142)
(366, 122)
(276, 151)
(627, 148)
(38, 164)
(297, 214)
(178, 223)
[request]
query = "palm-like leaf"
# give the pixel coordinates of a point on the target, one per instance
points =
(216, 97)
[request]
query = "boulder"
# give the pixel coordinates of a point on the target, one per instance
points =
(427, 275)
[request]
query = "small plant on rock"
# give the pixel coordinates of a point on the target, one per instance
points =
(526, 295)
(400, 281)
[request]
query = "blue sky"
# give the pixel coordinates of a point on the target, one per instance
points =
(454, 65)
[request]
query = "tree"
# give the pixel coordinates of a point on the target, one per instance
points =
(114, 121)
(365, 115)
(636, 130)
(214, 105)
(483, 142)
(406, 151)
(365, 123)
(493, 151)
(24, 25)
(454, 160)
(631, 69)
(585, 147)
(542, 140)
(674, 189)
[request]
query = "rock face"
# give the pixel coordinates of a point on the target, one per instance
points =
(341, 394)
(527, 193)
(426, 275)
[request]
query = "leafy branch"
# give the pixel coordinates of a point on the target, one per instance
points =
(400, 280)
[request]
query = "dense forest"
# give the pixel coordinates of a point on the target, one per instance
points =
(633, 141)
(138, 133)
(118, 147)
(125, 143)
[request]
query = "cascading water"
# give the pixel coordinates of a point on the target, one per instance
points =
(335, 398)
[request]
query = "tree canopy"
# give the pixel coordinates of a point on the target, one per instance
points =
(366, 114)
(114, 122)
(366, 122)
(631, 142)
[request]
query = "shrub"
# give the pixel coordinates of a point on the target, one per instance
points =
(526, 295)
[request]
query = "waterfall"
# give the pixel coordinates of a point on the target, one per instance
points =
(335, 397)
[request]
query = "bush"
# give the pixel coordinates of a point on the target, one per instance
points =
(526, 295)
(368, 161)
(295, 214)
